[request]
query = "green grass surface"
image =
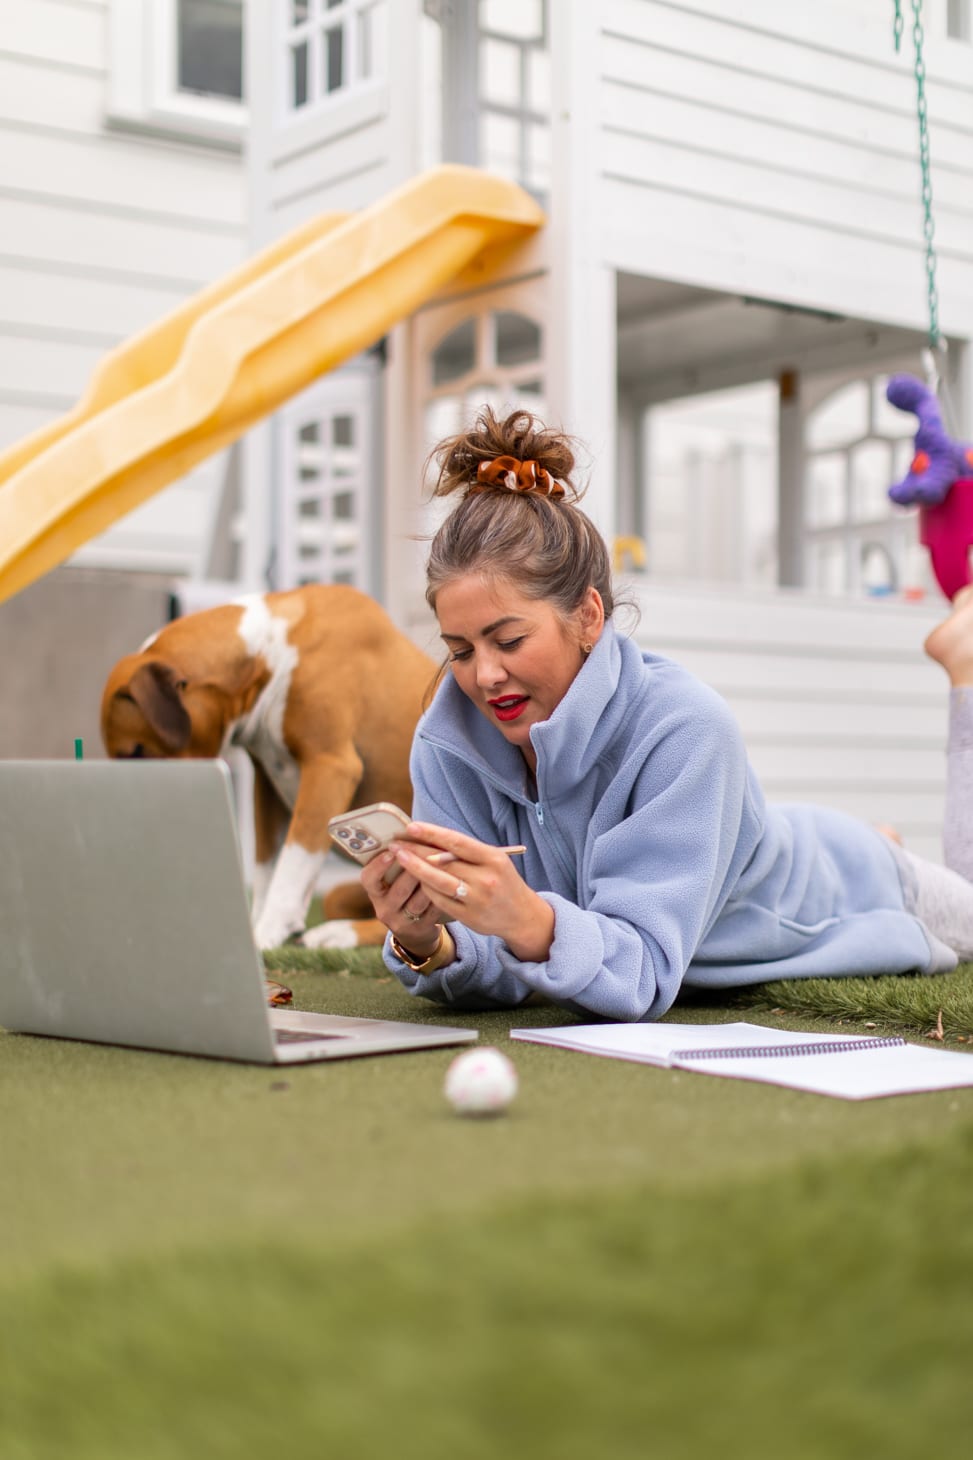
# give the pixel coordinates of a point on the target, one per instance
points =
(203, 1259)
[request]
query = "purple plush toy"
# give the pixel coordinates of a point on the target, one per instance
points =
(940, 482)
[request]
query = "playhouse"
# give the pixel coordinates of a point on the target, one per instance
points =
(695, 239)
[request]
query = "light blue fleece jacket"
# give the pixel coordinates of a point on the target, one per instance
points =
(651, 840)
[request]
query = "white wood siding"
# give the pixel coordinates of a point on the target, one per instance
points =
(773, 150)
(103, 232)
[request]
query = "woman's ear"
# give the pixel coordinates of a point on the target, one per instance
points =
(592, 618)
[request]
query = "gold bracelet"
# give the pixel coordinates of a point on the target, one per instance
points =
(410, 960)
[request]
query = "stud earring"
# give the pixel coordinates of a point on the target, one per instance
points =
(586, 648)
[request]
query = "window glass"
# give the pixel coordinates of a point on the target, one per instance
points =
(299, 75)
(500, 73)
(521, 18)
(517, 338)
(841, 418)
(539, 81)
(826, 499)
(456, 354)
(210, 47)
(334, 44)
(871, 477)
(343, 430)
(500, 143)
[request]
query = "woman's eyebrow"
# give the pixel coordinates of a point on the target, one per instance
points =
(488, 629)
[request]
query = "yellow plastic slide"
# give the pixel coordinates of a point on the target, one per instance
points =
(193, 383)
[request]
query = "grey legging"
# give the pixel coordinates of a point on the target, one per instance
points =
(942, 897)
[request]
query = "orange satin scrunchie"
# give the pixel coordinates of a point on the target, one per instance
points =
(517, 476)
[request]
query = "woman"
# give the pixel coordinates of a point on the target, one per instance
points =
(651, 859)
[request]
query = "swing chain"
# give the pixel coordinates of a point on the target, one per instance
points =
(936, 341)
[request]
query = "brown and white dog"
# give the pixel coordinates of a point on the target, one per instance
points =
(322, 691)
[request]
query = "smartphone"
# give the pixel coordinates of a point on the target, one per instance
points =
(365, 832)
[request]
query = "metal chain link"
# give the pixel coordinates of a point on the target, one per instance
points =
(936, 341)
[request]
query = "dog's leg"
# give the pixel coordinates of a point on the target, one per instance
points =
(328, 784)
(270, 818)
(349, 921)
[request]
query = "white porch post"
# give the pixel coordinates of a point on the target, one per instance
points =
(790, 481)
(581, 348)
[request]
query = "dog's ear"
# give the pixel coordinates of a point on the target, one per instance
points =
(157, 690)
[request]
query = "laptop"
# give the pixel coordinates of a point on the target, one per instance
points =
(124, 920)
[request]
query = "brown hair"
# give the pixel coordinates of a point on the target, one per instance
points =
(525, 532)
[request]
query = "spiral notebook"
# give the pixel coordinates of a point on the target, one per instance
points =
(846, 1066)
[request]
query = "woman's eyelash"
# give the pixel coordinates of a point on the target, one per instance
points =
(461, 654)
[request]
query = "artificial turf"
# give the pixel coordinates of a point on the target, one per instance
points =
(203, 1259)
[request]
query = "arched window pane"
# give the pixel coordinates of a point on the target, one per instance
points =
(517, 338)
(456, 354)
(826, 506)
(842, 418)
(871, 477)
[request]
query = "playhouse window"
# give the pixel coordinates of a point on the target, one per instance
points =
(334, 46)
(856, 446)
(456, 354)
(493, 358)
(209, 47)
(177, 66)
(514, 89)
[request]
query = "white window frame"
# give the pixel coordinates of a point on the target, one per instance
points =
(142, 90)
(348, 15)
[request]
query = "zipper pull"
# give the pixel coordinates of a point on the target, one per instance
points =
(538, 808)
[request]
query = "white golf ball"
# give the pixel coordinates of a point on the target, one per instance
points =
(480, 1082)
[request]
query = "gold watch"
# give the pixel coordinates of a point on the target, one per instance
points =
(410, 960)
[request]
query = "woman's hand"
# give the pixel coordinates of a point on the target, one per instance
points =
(478, 886)
(402, 904)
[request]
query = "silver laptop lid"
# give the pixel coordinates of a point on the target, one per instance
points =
(123, 914)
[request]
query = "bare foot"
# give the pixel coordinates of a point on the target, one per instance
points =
(951, 642)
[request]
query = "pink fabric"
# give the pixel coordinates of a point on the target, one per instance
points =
(946, 529)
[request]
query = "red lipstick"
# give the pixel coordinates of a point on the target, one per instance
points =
(509, 707)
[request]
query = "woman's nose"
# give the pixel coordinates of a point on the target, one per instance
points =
(490, 671)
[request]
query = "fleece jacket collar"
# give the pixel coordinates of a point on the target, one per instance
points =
(577, 734)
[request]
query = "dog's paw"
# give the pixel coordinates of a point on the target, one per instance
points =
(338, 933)
(274, 932)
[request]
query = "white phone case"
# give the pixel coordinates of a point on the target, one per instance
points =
(366, 831)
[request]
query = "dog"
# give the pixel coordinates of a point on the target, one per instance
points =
(322, 691)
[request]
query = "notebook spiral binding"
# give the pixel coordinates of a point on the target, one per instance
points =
(767, 1051)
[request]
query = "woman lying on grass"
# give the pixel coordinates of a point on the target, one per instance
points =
(652, 859)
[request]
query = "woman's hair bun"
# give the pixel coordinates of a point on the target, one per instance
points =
(517, 453)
